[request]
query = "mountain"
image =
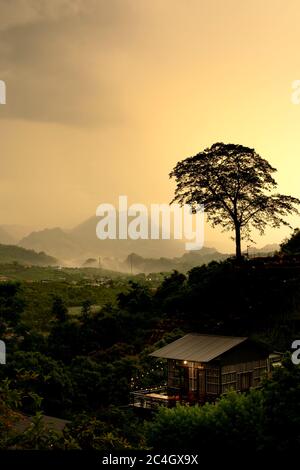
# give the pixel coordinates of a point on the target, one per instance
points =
(16, 231)
(136, 264)
(75, 246)
(55, 241)
(81, 242)
(85, 234)
(268, 249)
(12, 253)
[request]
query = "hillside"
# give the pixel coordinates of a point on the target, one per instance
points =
(80, 243)
(136, 263)
(184, 263)
(73, 247)
(54, 241)
(12, 253)
(17, 231)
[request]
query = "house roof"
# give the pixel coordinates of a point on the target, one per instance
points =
(198, 348)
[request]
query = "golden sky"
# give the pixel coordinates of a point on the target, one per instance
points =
(104, 97)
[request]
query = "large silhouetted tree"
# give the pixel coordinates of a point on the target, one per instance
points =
(236, 186)
(291, 246)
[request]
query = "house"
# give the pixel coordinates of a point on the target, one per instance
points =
(203, 367)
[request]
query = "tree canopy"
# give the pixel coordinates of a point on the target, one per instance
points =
(236, 186)
(291, 246)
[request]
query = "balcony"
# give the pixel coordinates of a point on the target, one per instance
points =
(152, 398)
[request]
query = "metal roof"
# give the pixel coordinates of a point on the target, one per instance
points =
(198, 348)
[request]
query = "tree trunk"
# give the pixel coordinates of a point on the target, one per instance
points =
(238, 249)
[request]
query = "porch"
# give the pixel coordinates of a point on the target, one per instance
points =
(152, 398)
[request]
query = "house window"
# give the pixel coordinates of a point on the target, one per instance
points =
(259, 373)
(213, 381)
(229, 381)
(174, 375)
(246, 380)
(192, 378)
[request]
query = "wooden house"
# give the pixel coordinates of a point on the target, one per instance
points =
(203, 367)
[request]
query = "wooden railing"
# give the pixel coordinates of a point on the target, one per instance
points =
(152, 398)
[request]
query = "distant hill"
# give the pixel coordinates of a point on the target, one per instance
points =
(12, 253)
(187, 261)
(75, 246)
(17, 231)
(85, 234)
(268, 249)
(6, 238)
(54, 241)
(81, 243)
(136, 263)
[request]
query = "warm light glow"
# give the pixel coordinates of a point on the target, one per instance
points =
(144, 90)
(184, 362)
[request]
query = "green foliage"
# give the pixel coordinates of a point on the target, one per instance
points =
(11, 304)
(261, 420)
(38, 297)
(282, 407)
(250, 299)
(37, 436)
(63, 364)
(235, 421)
(89, 433)
(9, 402)
(35, 373)
(59, 310)
(16, 430)
(13, 253)
(170, 294)
(136, 300)
(86, 309)
(291, 246)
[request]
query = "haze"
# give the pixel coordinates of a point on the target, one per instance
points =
(104, 97)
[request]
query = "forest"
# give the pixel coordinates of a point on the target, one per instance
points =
(80, 365)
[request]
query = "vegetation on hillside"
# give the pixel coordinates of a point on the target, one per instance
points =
(16, 254)
(80, 365)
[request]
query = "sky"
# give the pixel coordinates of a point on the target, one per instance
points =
(105, 97)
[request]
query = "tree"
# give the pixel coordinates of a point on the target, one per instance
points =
(169, 295)
(59, 310)
(17, 431)
(292, 245)
(234, 184)
(11, 305)
(35, 373)
(86, 309)
(282, 407)
(234, 423)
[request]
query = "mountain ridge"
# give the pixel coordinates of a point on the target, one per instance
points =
(16, 254)
(74, 246)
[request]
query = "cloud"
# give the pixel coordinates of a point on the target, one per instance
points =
(56, 59)
(18, 12)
